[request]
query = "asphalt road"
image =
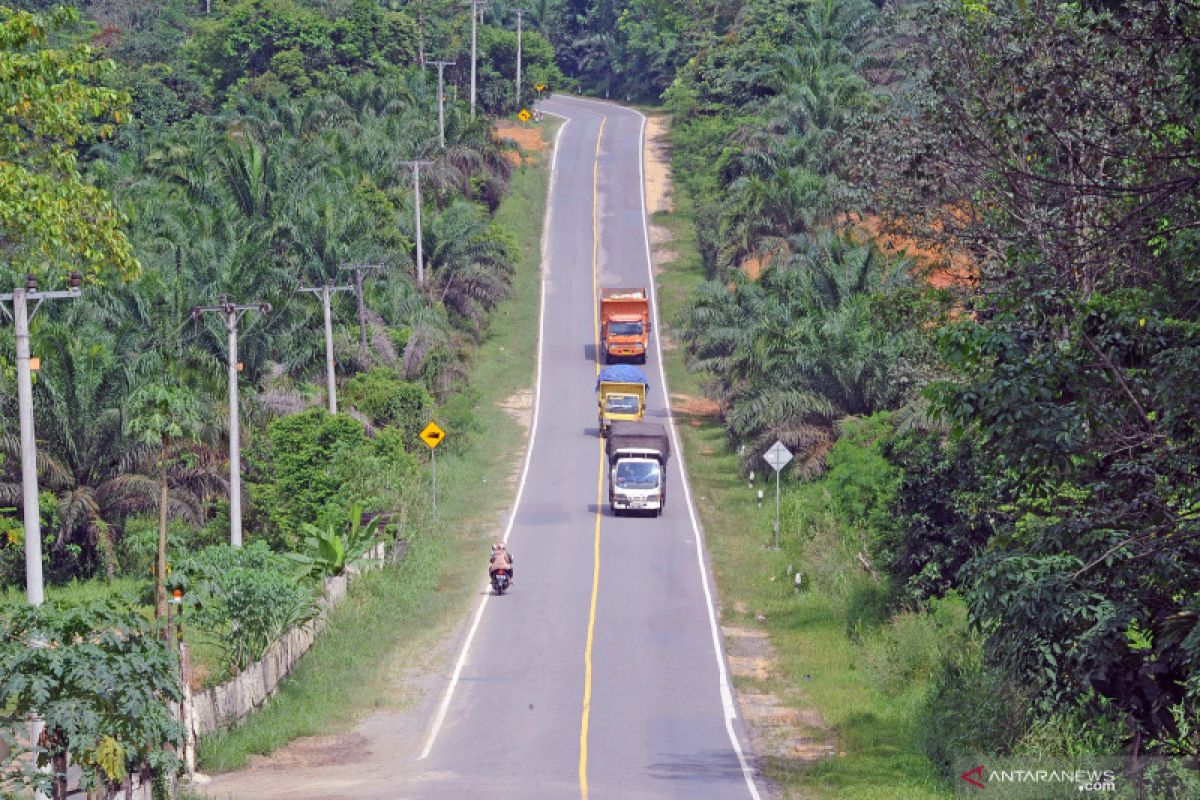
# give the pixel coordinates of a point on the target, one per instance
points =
(599, 675)
(657, 722)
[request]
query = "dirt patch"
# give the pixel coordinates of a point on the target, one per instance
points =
(753, 266)
(694, 406)
(520, 407)
(942, 269)
(660, 236)
(658, 165)
(316, 751)
(527, 137)
(779, 717)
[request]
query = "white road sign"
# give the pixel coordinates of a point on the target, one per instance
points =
(778, 456)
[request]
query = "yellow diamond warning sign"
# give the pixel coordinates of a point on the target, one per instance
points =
(541, 87)
(524, 115)
(432, 435)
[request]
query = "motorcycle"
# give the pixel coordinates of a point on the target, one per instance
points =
(500, 579)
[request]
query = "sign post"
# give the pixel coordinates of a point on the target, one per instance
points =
(432, 435)
(778, 457)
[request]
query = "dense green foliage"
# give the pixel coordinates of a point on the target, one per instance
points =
(178, 153)
(331, 551)
(1038, 164)
(100, 678)
(1070, 375)
(250, 173)
(243, 597)
(52, 220)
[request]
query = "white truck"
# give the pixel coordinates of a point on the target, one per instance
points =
(637, 460)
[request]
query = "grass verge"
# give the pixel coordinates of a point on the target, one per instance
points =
(393, 618)
(819, 666)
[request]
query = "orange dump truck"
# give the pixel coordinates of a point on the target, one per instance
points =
(624, 324)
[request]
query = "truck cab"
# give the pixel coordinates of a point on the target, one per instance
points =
(621, 395)
(637, 458)
(624, 324)
(620, 401)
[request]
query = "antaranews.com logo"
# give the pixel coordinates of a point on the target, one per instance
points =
(1083, 780)
(1012, 778)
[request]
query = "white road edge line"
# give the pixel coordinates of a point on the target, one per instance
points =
(726, 693)
(537, 404)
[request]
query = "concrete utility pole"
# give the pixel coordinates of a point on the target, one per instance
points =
(359, 269)
(520, 17)
(21, 316)
(330, 383)
(441, 68)
(475, 4)
(233, 313)
(416, 168)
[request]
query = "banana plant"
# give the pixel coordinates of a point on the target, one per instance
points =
(329, 551)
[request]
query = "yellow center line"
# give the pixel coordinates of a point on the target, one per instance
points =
(591, 629)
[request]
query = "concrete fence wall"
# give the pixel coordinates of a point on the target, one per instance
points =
(225, 706)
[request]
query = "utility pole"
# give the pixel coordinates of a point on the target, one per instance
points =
(21, 316)
(330, 383)
(441, 68)
(520, 18)
(233, 314)
(359, 269)
(416, 168)
(475, 4)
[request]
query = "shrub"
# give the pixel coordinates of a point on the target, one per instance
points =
(301, 468)
(389, 401)
(329, 551)
(937, 516)
(860, 480)
(244, 598)
(139, 545)
(971, 709)
(910, 648)
(381, 476)
(101, 679)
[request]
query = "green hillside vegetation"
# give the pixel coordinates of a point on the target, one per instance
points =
(952, 257)
(175, 153)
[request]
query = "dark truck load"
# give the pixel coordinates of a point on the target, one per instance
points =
(642, 437)
(637, 458)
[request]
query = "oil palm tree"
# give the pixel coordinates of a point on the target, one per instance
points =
(469, 262)
(84, 458)
(797, 350)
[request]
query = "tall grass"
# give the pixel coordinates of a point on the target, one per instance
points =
(78, 592)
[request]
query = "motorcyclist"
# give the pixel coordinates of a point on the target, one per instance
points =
(501, 559)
